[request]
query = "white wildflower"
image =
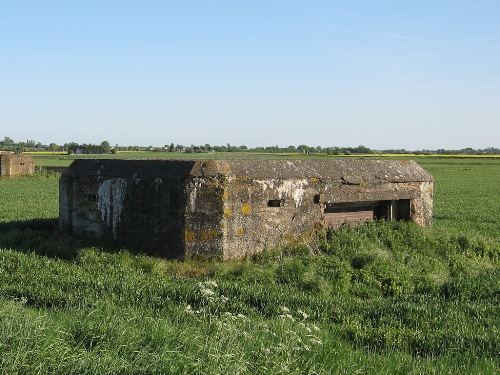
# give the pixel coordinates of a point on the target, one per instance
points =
(304, 314)
(286, 316)
(229, 315)
(285, 310)
(315, 327)
(207, 292)
(223, 299)
(315, 340)
(210, 284)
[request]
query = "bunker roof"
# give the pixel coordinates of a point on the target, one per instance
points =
(350, 171)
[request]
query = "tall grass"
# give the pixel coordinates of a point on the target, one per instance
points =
(381, 298)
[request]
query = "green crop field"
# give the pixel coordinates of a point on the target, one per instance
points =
(380, 298)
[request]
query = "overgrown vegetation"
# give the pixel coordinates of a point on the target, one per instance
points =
(378, 298)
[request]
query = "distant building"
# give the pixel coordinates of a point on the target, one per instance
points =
(12, 164)
(228, 208)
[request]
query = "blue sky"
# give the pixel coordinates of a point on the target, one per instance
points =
(384, 74)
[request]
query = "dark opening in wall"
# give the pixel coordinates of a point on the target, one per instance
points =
(91, 197)
(337, 214)
(275, 203)
(21, 163)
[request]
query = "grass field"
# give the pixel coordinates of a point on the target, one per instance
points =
(381, 298)
(58, 159)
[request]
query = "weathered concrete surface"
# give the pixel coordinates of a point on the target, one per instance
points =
(228, 208)
(12, 165)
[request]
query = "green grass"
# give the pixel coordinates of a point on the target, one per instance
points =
(57, 160)
(381, 298)
(466, 195)
(29, 198)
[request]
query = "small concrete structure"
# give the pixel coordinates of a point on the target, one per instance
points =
(12, 164)
(228, 208)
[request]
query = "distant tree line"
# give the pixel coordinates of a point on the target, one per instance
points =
(8, 144)
(301, 149)
(75, 148)
(105, 148)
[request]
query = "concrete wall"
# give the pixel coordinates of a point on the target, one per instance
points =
(226, 209)
(262, 214)
(203, 225)
(143, 214)
(251, 225)
(16, 165)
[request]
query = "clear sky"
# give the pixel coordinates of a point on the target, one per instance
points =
(416, 74)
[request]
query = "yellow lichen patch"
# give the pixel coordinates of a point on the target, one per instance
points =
(206, 235)
(314, 180)
(228, 211)
(189, 236)
(241, 231)
(246, 209)
(291, 240)
(318, 228)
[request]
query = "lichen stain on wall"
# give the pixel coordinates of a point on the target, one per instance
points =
(295, 188)
(194, 189)
(110, 197)
(246, 209)
(189, 236)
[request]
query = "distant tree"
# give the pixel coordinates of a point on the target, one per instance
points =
(363, 150)
(72, 147)
(303, 148)
(220, 148)
(53, 147)
(105, 147)
(7, 141)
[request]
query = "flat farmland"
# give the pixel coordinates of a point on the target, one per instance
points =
(467, 195)
(380, 298)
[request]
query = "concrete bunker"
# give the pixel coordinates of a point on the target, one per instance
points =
(228, 208)
(12, 164)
